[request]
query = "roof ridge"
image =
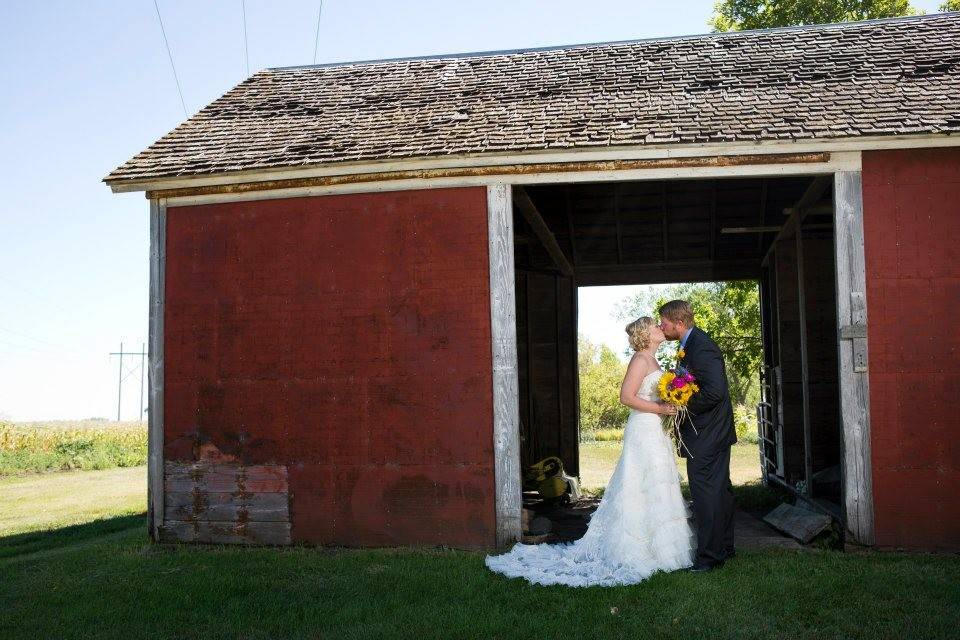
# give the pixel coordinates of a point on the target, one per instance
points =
(717, 34)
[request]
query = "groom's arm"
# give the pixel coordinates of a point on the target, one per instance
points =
(707, 367)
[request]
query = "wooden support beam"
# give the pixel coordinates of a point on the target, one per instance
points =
(811, 197)
(506, 393)
(729, 230)
(616, 217)
(770, 229)
(570, 226)
(529, 210)
(158, 262)
(852, 356)
(660, 272)
(763, 211)
(664, 216)
(804, 367)
(815, 210)
(713, 219)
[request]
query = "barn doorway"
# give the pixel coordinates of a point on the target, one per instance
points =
(777, 231)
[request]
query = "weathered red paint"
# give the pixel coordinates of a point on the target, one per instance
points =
(348, 338)
(911, 206)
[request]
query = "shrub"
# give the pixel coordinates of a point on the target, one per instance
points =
(745, 421)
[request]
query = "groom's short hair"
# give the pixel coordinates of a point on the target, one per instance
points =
(678, 311)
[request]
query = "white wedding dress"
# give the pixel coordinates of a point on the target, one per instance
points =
(639, 528)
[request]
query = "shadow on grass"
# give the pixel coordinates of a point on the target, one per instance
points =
(24, 543)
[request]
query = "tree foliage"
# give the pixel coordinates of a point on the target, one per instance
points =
(729, 312)
(950, 5)
(601, 374)
(739, 15)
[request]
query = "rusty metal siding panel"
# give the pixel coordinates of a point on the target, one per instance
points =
(346, 338)
(911, 224)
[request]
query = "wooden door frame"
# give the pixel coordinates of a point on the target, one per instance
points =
(851, 344)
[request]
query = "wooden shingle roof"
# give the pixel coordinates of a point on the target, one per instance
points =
(872, 78)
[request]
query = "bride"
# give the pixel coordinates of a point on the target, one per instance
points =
(640, 526)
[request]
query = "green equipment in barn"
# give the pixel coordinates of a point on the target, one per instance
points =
(548, 478)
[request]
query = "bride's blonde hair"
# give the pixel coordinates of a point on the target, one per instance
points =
(638, 333)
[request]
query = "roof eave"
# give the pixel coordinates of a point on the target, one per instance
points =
(859, 143)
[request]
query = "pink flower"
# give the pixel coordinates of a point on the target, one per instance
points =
(679, 383)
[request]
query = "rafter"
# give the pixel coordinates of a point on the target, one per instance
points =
(530, 213)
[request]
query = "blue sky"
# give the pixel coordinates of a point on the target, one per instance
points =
(87, 85)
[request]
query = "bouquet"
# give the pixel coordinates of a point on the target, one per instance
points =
(676, 387)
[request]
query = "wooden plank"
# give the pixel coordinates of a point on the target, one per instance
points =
(713, 219)
(235, 512)
(853, 384)
(506, 393)
(664, 219)
(225, 477)
(570, 225)
(812, 195)
(529, 210)
(763, 212)
(267, 533)
(158, 258)
(766, 229)
(255, 501)
(225, 470)
(804, 366)
(616, 215)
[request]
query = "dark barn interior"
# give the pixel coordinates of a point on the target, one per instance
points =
(689, 230)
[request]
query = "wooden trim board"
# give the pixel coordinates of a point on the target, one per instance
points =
(158, 259)
(853, 377)
(506, 390)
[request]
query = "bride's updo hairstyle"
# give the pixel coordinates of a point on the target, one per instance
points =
(638, 333)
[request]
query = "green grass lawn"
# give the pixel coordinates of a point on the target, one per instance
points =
(112, 583)
(104, 579)
(49, 501)
(598, 459)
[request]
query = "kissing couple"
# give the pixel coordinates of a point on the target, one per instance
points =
(642, 525)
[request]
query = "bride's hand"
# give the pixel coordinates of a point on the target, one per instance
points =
(666, 409)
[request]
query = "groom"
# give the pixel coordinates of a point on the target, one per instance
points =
(707, 440)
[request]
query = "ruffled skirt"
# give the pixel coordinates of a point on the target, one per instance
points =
(640, 527)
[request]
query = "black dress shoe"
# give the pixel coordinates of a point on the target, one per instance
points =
(703, 567)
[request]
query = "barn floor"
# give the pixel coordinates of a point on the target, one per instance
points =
(568, 523)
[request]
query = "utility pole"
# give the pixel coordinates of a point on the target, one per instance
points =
(120, 377)
(143, 355)
(119, 382)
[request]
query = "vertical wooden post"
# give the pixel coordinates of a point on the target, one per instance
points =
(158, 259)
(852, 341)
(506, 393)
(804, 361)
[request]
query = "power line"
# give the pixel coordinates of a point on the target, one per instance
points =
(170, 55)
(316, 42)
(246, 50)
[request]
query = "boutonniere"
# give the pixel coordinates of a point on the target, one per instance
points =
(681, 354)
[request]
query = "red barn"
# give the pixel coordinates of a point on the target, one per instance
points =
(364, 276)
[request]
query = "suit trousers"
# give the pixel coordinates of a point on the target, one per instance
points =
(713, 505)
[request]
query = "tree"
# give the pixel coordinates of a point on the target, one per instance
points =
(950, 5)
(730, 313)
(739, 15)
(601, 374)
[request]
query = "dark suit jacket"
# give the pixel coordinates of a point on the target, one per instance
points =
(711, 410)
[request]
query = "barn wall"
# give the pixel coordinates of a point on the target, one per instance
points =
(336, 349)
(911, 210)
